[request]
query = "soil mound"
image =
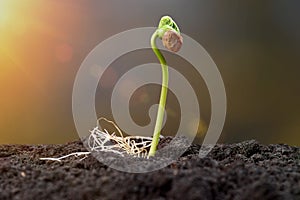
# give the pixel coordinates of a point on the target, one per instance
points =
(246, 170)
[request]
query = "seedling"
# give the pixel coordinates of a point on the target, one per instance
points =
(169, 33)
(101, 140)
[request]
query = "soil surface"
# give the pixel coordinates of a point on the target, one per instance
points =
(247, 170)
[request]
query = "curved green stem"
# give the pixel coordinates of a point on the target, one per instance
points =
(163, 95)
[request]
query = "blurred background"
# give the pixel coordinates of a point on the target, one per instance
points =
(255, 44)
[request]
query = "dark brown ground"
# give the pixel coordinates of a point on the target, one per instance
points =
(246, 170)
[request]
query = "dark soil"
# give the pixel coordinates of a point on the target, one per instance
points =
(246, 170)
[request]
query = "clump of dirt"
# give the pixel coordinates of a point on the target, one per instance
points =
(247, 170)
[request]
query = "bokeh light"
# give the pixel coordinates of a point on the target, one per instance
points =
(64, 53)
(255, 46)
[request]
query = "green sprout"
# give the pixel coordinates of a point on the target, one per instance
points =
(169, 33)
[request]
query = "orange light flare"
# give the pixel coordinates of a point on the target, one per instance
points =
(64, 53)
(17, 59)
(36, 35)
(38, 40)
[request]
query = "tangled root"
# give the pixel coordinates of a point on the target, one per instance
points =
(103, 141)
(132, 145)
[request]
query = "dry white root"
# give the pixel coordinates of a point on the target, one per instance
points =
(105, 142)
(77, 154)
(102, 141)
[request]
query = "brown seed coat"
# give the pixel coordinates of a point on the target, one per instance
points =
(172, 40)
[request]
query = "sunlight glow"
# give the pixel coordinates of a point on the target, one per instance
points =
(3, 11)
(21, 28)
(37, 39)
